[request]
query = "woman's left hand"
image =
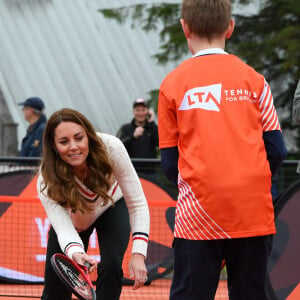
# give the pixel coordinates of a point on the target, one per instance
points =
(137, 270)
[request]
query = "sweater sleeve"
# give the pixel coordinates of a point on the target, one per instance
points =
(60, 219)
(133, 193)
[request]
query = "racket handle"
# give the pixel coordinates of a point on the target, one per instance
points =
(88, 265)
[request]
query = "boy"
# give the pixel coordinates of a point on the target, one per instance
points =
(220, 139)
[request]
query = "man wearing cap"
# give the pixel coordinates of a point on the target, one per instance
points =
(140, 136)
(33, 113)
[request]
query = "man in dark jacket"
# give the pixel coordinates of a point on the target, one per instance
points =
(296, 105)
(33, 113)
(140, 136)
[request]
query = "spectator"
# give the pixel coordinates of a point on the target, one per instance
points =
(140, 136)
(296, 105)
(33, 113)
(221, 140)
(296, 112)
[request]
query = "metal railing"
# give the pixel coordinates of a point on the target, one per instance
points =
(151, 169)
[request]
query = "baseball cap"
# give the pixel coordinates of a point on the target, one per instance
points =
(139, 101)
(34, 102)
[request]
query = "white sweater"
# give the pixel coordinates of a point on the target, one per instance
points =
(67, 224)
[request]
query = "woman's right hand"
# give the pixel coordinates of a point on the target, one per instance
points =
(81, 258)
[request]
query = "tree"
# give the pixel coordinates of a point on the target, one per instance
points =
(275, 33)
(268, 40)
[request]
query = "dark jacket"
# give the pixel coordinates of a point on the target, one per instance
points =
(142, 147)
(33, 141)
(296, 105)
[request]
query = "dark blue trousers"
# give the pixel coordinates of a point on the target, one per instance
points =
(197, 268)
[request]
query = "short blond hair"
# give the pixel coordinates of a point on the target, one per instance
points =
(207, 17)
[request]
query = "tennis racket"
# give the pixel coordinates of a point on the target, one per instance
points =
(74, 276)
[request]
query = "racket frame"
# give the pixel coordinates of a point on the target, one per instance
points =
(82, 269)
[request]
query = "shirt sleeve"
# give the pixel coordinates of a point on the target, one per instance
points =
(275, 148)
(169, 163)
(167, 121)
(268, 113)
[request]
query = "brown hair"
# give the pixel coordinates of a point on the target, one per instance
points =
(57, 174)
(207, 17)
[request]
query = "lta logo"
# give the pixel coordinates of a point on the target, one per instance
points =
(206, 97)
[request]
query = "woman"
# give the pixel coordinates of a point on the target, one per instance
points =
(83, 177)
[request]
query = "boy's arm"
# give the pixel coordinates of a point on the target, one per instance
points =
(169, 163)
(168, 133)
(276, 150)
(272, 136)
(296, 105)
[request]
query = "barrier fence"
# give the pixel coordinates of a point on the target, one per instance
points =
(24, 227)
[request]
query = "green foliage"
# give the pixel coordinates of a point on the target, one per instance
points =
(163, 18)
(274, 32)
(269, 41)
(152, 102)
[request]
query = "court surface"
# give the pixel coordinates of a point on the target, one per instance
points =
(158, 289)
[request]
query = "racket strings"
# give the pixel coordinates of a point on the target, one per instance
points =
(76, 279)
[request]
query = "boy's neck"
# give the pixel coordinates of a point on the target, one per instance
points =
(197, 43)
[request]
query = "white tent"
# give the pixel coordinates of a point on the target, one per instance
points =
(70, 55)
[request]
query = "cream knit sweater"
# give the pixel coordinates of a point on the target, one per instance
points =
(67, 224)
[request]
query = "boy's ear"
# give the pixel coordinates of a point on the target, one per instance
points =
(185, 29)
(230, 29)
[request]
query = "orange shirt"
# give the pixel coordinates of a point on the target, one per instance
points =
(214, 108)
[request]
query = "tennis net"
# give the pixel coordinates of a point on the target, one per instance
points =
(24, 227)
